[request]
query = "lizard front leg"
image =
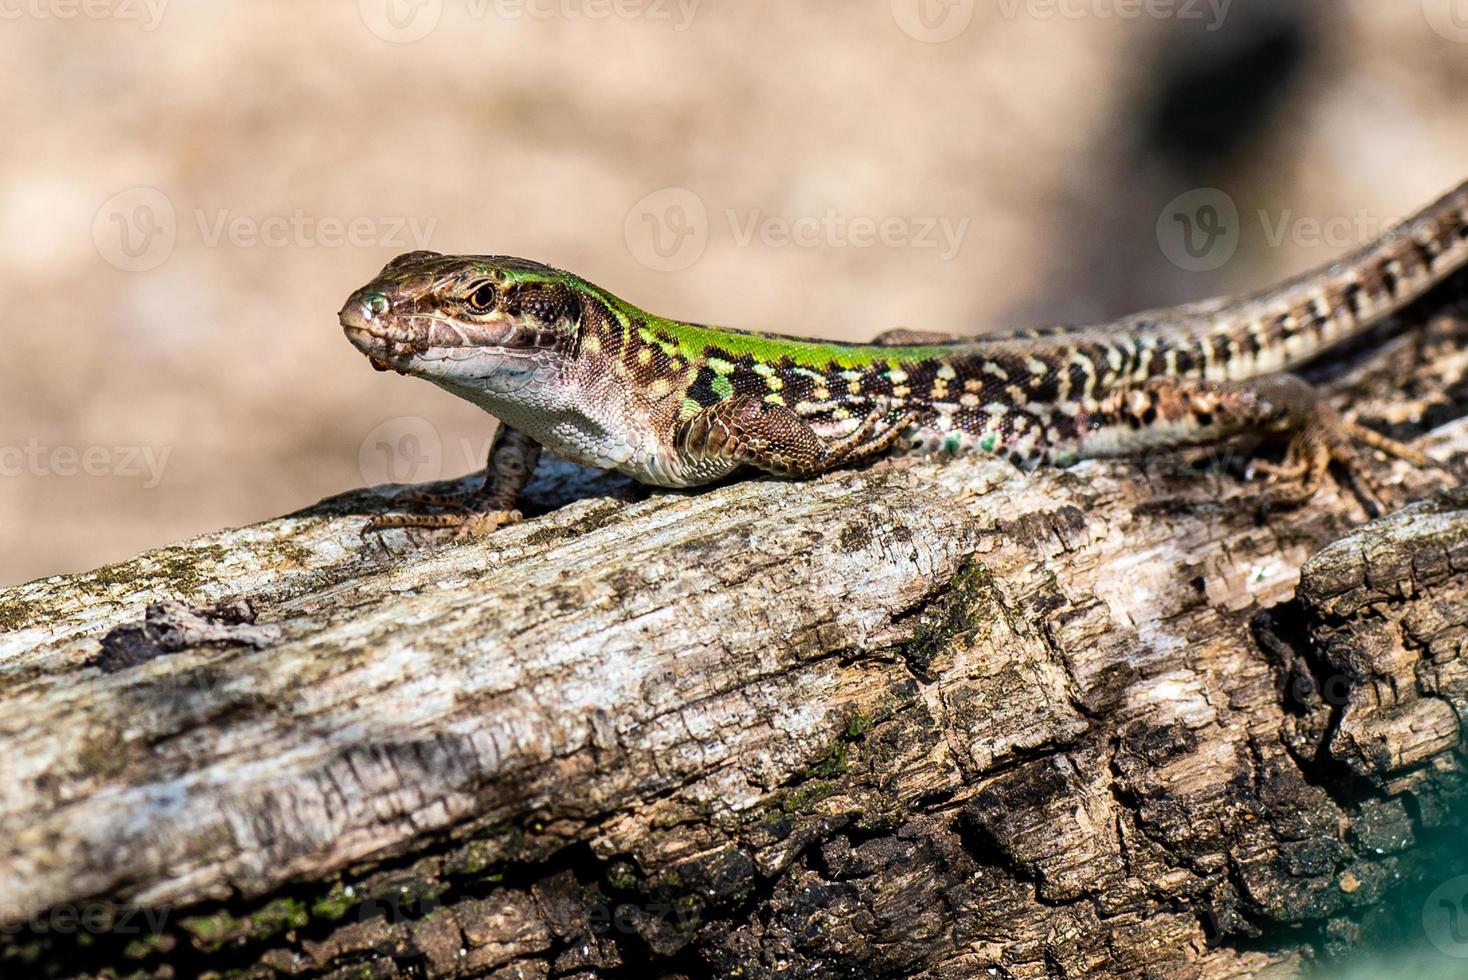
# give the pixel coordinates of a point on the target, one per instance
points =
(776, 440)
(512, 460)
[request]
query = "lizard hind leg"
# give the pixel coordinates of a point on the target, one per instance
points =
(1166, 412)
(902, 337)
(1282, 405)
(1320, 436)
(1325, 438)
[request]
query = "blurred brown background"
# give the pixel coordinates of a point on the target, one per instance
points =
(192, 187)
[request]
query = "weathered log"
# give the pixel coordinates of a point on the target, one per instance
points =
(918, 720)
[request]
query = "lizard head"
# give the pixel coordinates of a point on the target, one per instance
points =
(491, 323)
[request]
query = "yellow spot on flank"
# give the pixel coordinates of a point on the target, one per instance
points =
(592, 344)
(763, 370)
(775, 382)
(821, 393)
(1036, 366)
(644, 356)
(675, 365)
(969, 401)
(974, 385)
(947, 373)
(901, 391)
(659, 388)
(840, 414)
(721, 366)
(853, 387)
(897, 376)
(775, 399)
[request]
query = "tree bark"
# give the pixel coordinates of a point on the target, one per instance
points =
(924, 719)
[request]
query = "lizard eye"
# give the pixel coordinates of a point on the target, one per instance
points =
(482, 300)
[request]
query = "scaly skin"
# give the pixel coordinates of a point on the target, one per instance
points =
(569, 366)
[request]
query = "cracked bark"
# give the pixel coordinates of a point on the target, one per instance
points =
(919, 720)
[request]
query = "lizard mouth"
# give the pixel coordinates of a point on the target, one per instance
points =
(383, 353)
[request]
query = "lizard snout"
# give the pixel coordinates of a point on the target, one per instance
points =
(364, 310)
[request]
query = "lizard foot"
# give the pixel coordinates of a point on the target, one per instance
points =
(1330, 438)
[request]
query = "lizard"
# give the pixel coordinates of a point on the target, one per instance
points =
(566, 365)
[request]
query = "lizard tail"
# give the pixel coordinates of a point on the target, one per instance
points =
(1280, 328)
(1283, 327)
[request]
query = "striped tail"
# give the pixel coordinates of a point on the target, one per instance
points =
(1285, 326)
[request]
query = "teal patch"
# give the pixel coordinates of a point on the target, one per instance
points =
(990, 442)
